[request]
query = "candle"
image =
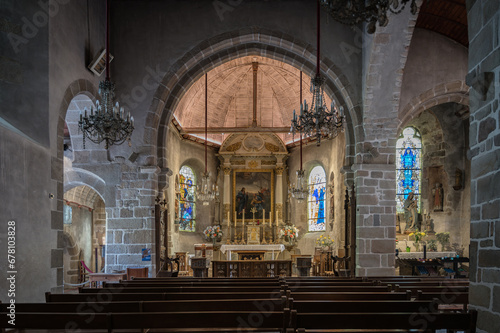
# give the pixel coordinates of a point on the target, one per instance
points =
(263, 217)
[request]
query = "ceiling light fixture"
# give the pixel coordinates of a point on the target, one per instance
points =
(206, 192)
(319, 121)
(352, 12)
(300, 191)
(106, 123)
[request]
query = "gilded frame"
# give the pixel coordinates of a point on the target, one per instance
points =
(248, 178)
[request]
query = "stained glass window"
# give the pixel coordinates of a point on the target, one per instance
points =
(408, 167)
(316, 199)
(187, 206)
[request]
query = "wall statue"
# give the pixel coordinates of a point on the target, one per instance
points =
(437, 193)
(411, 216)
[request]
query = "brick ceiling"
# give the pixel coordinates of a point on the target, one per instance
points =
(230, 99)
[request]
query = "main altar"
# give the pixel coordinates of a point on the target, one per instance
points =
(252, 252)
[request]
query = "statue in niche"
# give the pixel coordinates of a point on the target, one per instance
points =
(411, 216)
(332, 198)
(437, 192)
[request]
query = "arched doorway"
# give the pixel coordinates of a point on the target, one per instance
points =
(85, 233)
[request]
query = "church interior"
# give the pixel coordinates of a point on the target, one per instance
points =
(257, 139)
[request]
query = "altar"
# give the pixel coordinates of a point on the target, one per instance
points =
(249, 249)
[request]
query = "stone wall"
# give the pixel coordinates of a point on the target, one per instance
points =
(484, 138)
(183, 152)
(331, 156)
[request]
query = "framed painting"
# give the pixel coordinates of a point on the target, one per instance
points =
(253, 190)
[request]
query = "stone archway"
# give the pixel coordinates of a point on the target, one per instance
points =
(71, 257)
(224, 48)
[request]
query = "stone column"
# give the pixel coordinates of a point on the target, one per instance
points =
(227, 202)
(278, 197)
(376, 218)
(484, 153)
(131, 226)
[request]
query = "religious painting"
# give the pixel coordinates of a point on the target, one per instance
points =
(408, 170)
(253, 193)
(316, 199)
(187, 200)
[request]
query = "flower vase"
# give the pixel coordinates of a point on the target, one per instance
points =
(417, 247)
(408, 249)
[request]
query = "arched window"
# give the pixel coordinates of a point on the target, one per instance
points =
(408, 167)
(187, 201)
(316, 199)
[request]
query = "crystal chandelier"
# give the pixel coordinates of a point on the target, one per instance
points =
(206, 192)
(319, 121)
(106, 123)
(352, 12)
(300, 191)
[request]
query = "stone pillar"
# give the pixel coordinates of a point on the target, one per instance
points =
(279, 191)
(376, 218)
(226, 201)
(484, 139)
(131, 226)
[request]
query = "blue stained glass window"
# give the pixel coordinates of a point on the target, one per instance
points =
(187, 206)
(316, 199)
(408, 166)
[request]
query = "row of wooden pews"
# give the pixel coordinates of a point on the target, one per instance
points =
(312, 304)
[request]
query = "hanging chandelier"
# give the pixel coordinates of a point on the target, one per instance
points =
(352, 12)
(107, 122)
(318, 121)
(300, 191)
(206, 192)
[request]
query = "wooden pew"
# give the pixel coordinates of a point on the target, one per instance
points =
(235, 283)
(325, 296)
(121, 297)
(229, 289)
(399, 322)
(345, 306)
(91, 307)
(451, 297)
(433, 289)
(228, 321)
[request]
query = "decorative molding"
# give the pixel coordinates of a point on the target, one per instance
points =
(239, 162)
(253, 164)
(279, 170)
(227, 170)
(265, 162)
(234, 147)
(272, 148)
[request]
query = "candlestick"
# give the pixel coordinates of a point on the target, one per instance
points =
(263, 217)
(228, 219)
(235, 222)
(243, 223)
(276, 218)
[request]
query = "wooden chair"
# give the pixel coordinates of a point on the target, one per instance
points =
(137, 272)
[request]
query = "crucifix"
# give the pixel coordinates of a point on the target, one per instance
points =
(253, 211)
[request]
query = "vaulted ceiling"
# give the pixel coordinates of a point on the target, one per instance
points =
(446, 17)
(231, 96)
